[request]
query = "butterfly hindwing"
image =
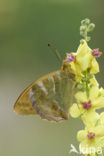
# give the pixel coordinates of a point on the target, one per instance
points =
(50, 97)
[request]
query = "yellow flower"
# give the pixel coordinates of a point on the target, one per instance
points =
(85, 107)
(91, 139)
(82, 60)
(93, 81)
(101, 119)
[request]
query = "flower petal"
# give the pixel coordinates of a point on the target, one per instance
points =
(98, 102)
(75, 111)
(82, 135)
(101, 121)
(94, 91)
(83, 61)
(89, 147)
(83, 56)
(101, 91)
(99, 131)
(76, 68)
(94, 66)
(81, 96)
(83, 49)
(93, 81)
(90, 118)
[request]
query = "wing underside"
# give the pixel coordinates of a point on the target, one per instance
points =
(50, 97)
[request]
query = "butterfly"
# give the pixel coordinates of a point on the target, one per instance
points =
(50, 96)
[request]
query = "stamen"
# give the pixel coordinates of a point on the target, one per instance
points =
(91, 135)
(86, 105)
(70, 57)
(96, 53)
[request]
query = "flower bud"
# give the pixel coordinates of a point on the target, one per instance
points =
(88, 38)
(82, 41)
(82, 33)
(85, 22)
(80, 86)
(82, 28)
(91, 27)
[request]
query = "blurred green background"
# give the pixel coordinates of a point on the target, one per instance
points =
(26, 27)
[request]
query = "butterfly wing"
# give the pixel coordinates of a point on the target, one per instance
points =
(50, 97)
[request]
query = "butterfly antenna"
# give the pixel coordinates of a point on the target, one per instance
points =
(56, 52)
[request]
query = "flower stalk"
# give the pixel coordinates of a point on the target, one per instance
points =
(89, 96)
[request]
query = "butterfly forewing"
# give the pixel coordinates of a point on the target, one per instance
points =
(50, 97)
(23, 105)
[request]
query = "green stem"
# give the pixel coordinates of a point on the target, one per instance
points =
(87, 88)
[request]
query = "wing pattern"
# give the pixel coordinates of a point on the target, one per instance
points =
(50, 97)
